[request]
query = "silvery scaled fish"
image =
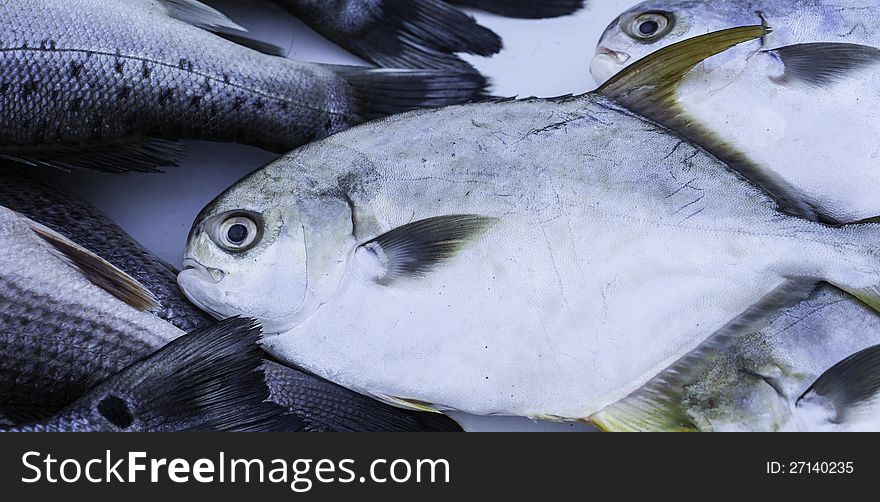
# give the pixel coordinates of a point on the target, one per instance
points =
(774, 107)
(208, 380)
(543, 258)
(813, 367)
(61, 333)
(113, 85)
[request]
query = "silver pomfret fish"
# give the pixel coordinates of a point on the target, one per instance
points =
(112, 85)
(542, 258)
(774, 107)
(812, 367)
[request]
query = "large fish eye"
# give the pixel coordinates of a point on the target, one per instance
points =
(649, 26)
(236, 232)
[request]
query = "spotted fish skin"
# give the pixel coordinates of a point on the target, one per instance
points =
(84, 75)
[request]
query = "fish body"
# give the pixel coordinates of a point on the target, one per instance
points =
(785, 375)
(541, 258)
(113, 85)
(780, 101)
(60, 334)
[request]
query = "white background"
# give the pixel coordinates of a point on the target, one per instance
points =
(541, 58)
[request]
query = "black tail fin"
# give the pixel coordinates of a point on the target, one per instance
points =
(525, 9)
(208, 380)
(327, 407)
(851, 387)
(399, 33)
(379, 92)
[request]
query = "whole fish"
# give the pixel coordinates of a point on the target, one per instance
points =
(61, 333)
(114, 85)
(208, 380)
(542, 258)
(812, 367)
(773, 107)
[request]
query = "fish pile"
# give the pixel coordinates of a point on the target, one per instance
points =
(671, 252)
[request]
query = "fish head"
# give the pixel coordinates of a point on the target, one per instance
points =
(655, 24)
(262, 251)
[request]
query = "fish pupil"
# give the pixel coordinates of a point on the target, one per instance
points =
(649, 27)
(115, 410)
(237, 233)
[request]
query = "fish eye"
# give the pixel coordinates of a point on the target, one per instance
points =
(236, 232)
(649, 26)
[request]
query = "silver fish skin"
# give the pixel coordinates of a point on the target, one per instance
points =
(41, 371)
(85, 83)
(767, 380)
(541, 258)
(207, 381)
(82, 223)
(779, 101)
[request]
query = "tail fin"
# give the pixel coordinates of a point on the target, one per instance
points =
(400, 33)
(379, 93)
(325, 406)
(208, 380)
(849, 392)
(525, 9)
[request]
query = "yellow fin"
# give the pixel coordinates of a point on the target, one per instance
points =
(99, 271)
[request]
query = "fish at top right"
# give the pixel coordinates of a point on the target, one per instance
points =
(798, 109)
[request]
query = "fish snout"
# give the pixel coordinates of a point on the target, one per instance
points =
(192, 265)
(607, 63)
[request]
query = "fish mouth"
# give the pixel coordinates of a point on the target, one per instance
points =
(215, 274)
(618, 57)
(607, 63)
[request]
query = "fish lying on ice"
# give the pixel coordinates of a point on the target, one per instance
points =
(773, 107)
(61, 333)
(542, 258)
(208, 380)
(812, 367)
(416, 33)
(114, 85)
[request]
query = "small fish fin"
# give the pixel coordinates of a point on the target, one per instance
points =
(417, 248)
(657, 406)
(207, 380)
(822, 65)
(198, 14)
(544, 9)
(328, 407)
(851, 387)
(252, 43)
(649, 88)
(118, 157)
(378, 93)
(99, 271)
(406, 404)
(405, 34)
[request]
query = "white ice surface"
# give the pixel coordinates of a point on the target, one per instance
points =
(541, 58)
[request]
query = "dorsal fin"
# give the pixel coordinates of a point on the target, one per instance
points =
(649, 88)
(98, 271)
(198, 14)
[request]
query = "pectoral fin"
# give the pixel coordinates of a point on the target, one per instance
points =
(822, 65)
(415, 249)
(99, 271)
(658, 405)
(649, 87)
(850, 387)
